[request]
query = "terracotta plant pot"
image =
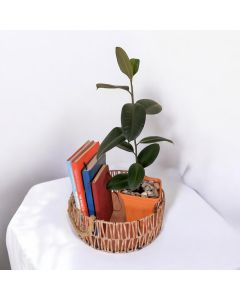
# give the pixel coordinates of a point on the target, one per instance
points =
(139, 207)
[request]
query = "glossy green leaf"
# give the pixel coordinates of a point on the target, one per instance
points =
(135, 64)
(133, 118)
(151, 106)
(114, 138)
(118, 182)
(147, 156)
(124, 62)
(126, 146)
(154, 139)
(135, 176)
(111, 86)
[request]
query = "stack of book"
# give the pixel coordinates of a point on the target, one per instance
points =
(89, 176)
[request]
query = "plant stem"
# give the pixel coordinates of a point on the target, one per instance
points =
(132, 97)
(132, 94)
(135, 146)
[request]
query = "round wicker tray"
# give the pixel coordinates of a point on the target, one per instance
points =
(117, 237)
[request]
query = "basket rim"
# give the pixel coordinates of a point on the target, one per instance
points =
(117, 237)
(159, 204)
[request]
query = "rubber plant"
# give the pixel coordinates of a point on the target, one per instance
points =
(133, 117)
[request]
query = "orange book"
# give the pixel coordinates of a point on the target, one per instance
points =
(78, 164)
(78, 151)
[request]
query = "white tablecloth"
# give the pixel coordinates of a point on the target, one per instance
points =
(193, 236)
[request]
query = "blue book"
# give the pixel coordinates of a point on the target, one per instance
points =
(88, 174)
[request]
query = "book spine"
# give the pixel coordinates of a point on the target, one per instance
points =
(88, 191)
(74, 190)
(80, 190)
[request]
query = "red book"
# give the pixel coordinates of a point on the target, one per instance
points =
(77, 166)
(102, 196)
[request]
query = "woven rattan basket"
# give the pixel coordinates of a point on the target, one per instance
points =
(117, 237)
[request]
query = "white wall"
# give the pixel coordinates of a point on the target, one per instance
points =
(50, 106)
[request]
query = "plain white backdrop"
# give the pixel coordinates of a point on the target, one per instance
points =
(50, 106)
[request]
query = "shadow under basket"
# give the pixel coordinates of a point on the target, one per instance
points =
(117, 237)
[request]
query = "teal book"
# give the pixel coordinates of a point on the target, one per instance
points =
(88, 174)
(70, 172)
(74, 190)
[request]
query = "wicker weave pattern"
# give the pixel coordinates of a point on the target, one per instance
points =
(117, 237)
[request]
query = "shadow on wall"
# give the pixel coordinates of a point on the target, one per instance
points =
(170, 157)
